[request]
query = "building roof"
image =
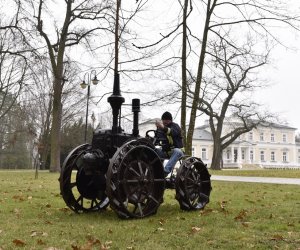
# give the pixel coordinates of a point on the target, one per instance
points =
(265, 124)
(201, 134)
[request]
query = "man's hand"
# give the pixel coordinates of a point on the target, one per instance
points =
(159, 125)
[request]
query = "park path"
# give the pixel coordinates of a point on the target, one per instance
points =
(273, 180)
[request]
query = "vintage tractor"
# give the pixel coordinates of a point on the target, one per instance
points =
(124, 171)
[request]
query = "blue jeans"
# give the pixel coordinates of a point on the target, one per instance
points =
(176, 154)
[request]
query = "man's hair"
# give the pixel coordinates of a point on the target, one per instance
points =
(167, 116)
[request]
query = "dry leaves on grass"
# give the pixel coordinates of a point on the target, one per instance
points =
(35, 233)
(223, 206)
(19, 243)
(277, 237)
(19, 198)
(161, 222)
(242, 215)
(206, 211)
(196, 229)
(92, 243)
(40, 242)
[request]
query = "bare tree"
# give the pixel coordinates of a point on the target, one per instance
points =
(255, 17)
(81, 20)
(13, 69)
(228, 94)
(214, 19)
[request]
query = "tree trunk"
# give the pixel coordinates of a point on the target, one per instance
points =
(196, 99)
(56, 125)
(216, 162)
(183, 72)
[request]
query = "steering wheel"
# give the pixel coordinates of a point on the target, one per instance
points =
(149, 136)
(156, 137)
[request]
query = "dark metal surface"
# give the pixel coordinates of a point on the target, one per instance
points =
(193, 185)
(82, 191)
(135, 180)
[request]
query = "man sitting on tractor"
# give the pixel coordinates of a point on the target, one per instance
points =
(172, 146)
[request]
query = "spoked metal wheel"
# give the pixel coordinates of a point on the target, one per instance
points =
(193, 184)
(82, 191)
(135, 181)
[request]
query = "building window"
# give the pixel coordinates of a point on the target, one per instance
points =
(272, 156)
(261, 136)
(299, 159)
(203, 153)
(284, 137)
(243, 154)
(251, 155)
(250, 136)
(193, 151)
(228, 154)
(272, 137)
(284, 156)
(262, 155)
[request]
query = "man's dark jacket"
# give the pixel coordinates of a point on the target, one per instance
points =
(172, 134)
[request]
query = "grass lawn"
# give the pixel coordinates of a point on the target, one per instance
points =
(239, 216)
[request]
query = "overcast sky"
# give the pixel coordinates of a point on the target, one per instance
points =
(283, 96)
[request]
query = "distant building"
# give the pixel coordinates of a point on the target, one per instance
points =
(272, 146)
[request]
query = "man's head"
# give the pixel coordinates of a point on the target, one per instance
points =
(166, 118)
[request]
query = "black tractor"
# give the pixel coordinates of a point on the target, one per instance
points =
(124, 171)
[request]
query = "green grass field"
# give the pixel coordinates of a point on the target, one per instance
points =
(239, 216)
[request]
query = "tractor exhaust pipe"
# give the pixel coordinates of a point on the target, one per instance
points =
(116, 101)
(135, 109)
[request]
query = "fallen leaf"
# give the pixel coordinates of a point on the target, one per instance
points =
(277, 237)
(242, 215)
(196, 229)
(64, 209)
(40, 242)
(251, 201)
(16, 211)
(19, 243)
(74, 247)
(223, 205)
(245, 224)
(33, 234)
(162, 221)
(18, 198)
(206, 211)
